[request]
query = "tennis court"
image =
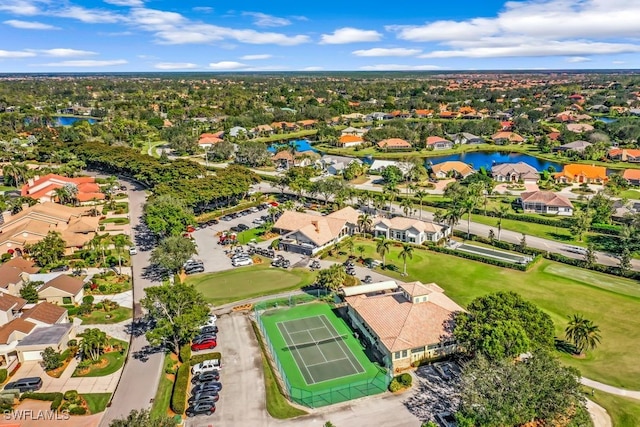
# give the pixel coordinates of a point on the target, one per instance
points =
(319, 351)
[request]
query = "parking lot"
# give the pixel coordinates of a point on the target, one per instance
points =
(435, 391)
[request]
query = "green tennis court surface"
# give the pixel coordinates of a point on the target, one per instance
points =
(319, 351)
(319, 359)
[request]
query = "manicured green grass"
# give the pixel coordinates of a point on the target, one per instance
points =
(248, 282)
(560, 290)
(163, 394)
(97, 402)
(246, 236)
(624, 412)
(630, 194)
(114, 358)
(277, 405)
(4, 188)
(98, 317)
(117, 221)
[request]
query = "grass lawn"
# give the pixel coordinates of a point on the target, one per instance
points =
(560, 290)
(248, 282)
(97, 402)
(4, 188)
(624, 412)
(114, 360)
(163, 394)
(627, 194)
(116, 220)
(277, 405)
(98, 317)
(246, 236)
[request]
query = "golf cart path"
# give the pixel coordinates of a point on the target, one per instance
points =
(610, 389)
(598, 415)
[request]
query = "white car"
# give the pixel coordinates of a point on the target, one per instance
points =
(206, 366)
(241, 262)
(133, 251)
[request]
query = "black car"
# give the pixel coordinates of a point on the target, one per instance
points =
(243, 227)
(201, 408)
(236, 229)
(209, 330)
(214, 221)
(204, 337)
(210, 397)
(206, 377)
(368, 279)
(25, 384)
(194, 269)
(210, 386)
(60, 268)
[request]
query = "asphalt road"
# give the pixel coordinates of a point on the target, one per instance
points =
(140, 379)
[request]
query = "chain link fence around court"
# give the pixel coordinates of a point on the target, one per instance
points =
(318, 397)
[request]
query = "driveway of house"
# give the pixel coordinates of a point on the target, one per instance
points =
(106, 384)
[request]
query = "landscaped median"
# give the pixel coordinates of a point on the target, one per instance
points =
(182, 380)
(72, 402)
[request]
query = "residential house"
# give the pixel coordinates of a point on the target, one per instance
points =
(284, 126)
(237, 132)
(208, 140)
(262, 130)
(624, 155)
(46, 314)
(394, 144)
(355, 117)
(546, 202)
(32, 224)
(503, 138)
(10, 335)
(579, 127)
(347, 141)
(405, 327)
(377, 116)
(307, 124)
(579, 173)
(439, 143)
(379, 165)
(10, 307)
(15, 273)
(353, 131)
(409, 230)
(423, 113)
(515, 172)
(307, 234)
(451, 169)
(334, 165)
(577, 146)
(631, 175)
(466, 138)
(447, 114)
(63, 289)
(44, 188)
(56, 336)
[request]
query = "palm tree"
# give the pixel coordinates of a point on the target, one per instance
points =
(501, 212)
(391, 191)
(93, 343)
(382, 247)
(406, 252)
(16, 171)
(407, 206)
(360, 250)
(100, 243)
(120, 241)
(451, 216)
(289, 205)
(365, 223)
(583, 333)
(61, 194)
(350, 245)
(420, 195)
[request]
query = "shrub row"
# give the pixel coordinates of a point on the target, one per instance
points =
(3, 375)
(55, 398)
(611, 229)
(400, 382)
(500, 244)
(185, 353)
(479, 258)
(179, 395)
(595, 267)
(202, 357)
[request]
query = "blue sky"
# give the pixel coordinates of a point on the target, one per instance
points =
(198, 35)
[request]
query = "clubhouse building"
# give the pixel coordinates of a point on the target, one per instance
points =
(405, 323)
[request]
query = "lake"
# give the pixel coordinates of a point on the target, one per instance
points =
(478, 159)
(607, 119)
(301, 145)
(68, 121)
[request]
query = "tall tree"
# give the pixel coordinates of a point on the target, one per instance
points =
(172, 252)
(420, 195)
(120, 241)
(582, 333)
(365, 223)
(178, 310)
(501, 212)
(167, 216)
(93, 343)
(406, 252)
(590, 257)
(47, 251)
(331, 278)
(383, 246)
(581, 223)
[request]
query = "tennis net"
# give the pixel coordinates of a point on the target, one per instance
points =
(296, 346)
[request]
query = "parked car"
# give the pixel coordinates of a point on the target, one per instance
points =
(204, 337)
(201, 408)
(25, 384)
(206, 366)
(194, 269)
(367, 279)
(206, 344)
(211, 321)
(210, 386)
(240, 262)
(133, 250)
(209, 329)
(209, 396)
(206, 377)
(60, 268)
(243, 227)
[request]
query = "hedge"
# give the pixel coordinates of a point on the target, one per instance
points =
(480, 258)
(179, 395)
(185, 353)
(77, 410)
(55, 398)
(611, 229)
(500, 244)
(3, 375)
(202, 357)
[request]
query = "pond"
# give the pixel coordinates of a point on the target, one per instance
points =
(479, 159)
(607, 119)
(301, 145)
(68, 121)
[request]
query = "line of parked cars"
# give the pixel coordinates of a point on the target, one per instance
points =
(265, 252)
(280, 261)
(245, 212)
(350, 268)
(241, 258)
(206, 385)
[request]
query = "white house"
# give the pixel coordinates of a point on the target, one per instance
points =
(546, 202)
(409, 230)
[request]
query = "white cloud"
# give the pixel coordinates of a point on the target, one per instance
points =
(256, 57)
(203, 9)
(535, 28)
(264, 20)
(89, 16)
(350, 35)
(399, 67)
(20, 7)
(15, 54)
(65, 53)
(227, 65)
(175, 65)
(379, 51)
(577, 59)
(85, 63)
(129, 3)
(312, 69)
(29, 25)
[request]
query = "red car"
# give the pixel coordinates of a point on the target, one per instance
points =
(274, 204)
(204, 345)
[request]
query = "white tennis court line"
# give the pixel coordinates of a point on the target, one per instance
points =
(324, 363)
(359, 370)
(300, 356)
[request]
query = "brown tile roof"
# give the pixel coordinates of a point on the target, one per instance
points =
(511, 136)
(347, 213)
(394, 143)
(547, 198)
(401, 324)
(631, 174)
(319, 229)
(18, 324)
(11, 270)
(65, 283)
(45, 312)
(431, 140)
(445, 167)
(10, 302)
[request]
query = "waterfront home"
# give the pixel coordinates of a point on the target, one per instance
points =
(347, 141)
(624, 155)
(546, 202)
(503, 138)
(466, 138)
(632, 176)
(451, 169)
(515, 172)
(393, 144)
(580, 173)
(439, 143)
(577, 146)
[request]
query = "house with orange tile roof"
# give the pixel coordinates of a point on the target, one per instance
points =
(208, 140)
(347, 141)
(284, 126)
(408, 325)
(423, 113)
(632, 176)
(44, 188)
(624, 155)
(307, 124)
(438, 143)
(502, 138)
(393, 144)
(451, 168)
(579, 173)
